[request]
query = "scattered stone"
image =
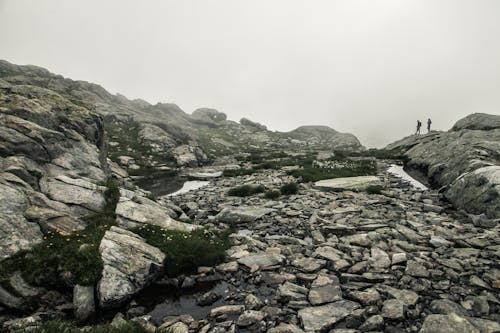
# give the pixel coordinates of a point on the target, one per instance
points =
(322, 317)
(447, 324)
(394, 309)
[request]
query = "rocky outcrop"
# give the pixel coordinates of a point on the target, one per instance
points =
(464, 160)
(248, 122)
(130, 264)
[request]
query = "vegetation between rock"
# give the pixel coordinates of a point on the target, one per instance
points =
(186, 251)
(246, 190)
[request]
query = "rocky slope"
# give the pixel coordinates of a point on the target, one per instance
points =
(152, 135)
(465, 160)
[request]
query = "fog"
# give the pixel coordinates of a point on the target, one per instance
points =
(369, 67)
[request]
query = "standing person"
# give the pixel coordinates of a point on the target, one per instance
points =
(429, 122)
(419, 125)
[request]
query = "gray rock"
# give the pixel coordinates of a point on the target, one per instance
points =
(322, 317)
(236, 215)
(484, 325)
(73, 191)
(250, 317)
(394, 309)
(444, 306)
(369, 296)
(372, 323)
(83, 302)
(227, 309)
(348, 183)
(130, 264)
(292, 292)
(285, 328)
(409, 297)
(379, 259)
(308, 264)
(262, 261)
(324, 290)
(447, 324)
(477, 191)
(16, 233)
(131, 214)
(416, 269)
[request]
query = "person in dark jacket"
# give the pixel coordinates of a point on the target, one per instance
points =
(429, 122)
(419, 125)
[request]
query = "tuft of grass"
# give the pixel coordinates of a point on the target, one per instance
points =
(272, 194)
(289, 188)
(55, 326)
(186, 251)
(246, 190)
(62, 260)
(374, 189)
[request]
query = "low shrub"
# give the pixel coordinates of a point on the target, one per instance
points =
(246, 190)
(185, 251)
(272, 194)
(289, 188)
(374, 189)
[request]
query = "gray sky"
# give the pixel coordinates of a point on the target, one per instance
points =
(369, 67)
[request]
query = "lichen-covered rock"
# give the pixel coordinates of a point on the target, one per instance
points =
(83, 302)
(130, 264)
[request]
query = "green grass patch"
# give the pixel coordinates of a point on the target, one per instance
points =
(246, 190)
(186, 251)
(387, 154)
(238, 172)
(272, 194)
(355, 168)
(374, 189)
(61, 260)
(66, 327)
(289, 188)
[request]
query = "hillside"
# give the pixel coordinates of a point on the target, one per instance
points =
(163, 134)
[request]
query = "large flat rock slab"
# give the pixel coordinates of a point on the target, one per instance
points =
(236, 215)
(348, 183)
(131, 214)
(319, 318)
(130, 264)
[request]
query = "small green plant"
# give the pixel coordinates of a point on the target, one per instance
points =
(246, 190)
(272, 194)
(374, 189)
(185, 251)
(289, 188)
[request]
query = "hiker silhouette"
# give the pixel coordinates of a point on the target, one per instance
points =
(419, 125)
(429, 122)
